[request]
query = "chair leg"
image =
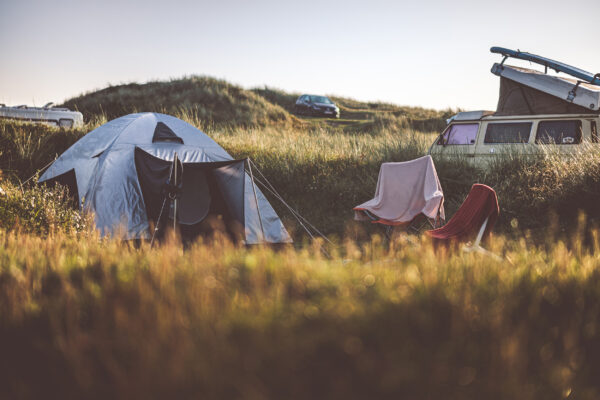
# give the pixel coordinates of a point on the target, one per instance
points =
(480, 234)
(388, 232)
(418, 223)
(479, 249)
(476, 245)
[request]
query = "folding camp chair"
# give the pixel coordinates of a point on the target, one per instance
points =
(416, 225)
(478, 213)
(408, 195)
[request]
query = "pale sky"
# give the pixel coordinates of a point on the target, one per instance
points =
(421, 53)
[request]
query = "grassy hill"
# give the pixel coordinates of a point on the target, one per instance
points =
(359, 116)
(209, 100)
(213, 102)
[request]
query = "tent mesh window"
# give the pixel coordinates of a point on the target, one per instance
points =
(559, 132)
(508, 132)
(162, 133)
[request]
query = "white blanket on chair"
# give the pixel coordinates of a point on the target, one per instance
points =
(405, 190)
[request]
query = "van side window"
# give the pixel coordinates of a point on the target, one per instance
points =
(594, 132)
(559, 132)
(459, 134)
(508, 132)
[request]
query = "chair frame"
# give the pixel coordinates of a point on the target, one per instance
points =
(437, 222)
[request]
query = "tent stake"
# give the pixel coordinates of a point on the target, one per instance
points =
(256, 200)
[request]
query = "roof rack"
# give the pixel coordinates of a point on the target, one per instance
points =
(557, 66)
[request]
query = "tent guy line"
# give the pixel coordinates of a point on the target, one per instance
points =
(271, 189)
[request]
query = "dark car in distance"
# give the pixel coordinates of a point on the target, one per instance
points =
(309, 104)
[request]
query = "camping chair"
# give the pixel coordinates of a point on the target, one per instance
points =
(478, 213)
(408, 195)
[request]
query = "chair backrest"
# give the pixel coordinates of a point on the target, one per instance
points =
(481, 205)
(404, 191)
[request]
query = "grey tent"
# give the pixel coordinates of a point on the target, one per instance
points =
(119, 172)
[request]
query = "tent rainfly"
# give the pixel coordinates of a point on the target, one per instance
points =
(119, 172)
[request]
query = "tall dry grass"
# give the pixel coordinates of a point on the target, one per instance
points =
(323, 171)
(83, 318)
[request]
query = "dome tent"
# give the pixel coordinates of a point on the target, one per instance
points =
(118, 172)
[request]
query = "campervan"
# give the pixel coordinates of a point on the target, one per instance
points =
(480, 137)
(536, 111)
(48, 114)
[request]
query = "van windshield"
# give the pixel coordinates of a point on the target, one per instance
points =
(459, 134)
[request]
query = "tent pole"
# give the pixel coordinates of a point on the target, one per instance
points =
(175, 162)
(161, 211)
(256, 200)
(158, 222)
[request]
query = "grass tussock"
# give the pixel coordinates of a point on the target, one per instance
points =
(39, 210)
(95, 319)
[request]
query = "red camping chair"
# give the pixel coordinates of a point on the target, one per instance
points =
(478, 213)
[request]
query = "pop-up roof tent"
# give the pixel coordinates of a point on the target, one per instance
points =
(525, 92)
(120, 171)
